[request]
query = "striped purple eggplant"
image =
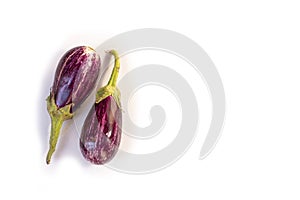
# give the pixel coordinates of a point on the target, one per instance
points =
(75, 78)
(101, 133)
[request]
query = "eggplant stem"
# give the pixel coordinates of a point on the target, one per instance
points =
(58, 116)
(114, 75)
(56, 124)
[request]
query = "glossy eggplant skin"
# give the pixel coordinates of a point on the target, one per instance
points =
(101, 133)
(75, 77)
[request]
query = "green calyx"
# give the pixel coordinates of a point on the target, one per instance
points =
(111, 89)
(58, 116)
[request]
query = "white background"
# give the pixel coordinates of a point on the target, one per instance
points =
(255, 46)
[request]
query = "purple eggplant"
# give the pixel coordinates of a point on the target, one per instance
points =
(101, 133)
(76, 76)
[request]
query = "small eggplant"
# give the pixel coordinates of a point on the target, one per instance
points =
(75, 78)
(101, 133)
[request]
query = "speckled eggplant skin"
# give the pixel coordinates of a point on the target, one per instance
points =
(101, 132)
(75, 77)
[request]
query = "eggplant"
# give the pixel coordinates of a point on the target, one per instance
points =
(75, 78)
(101, 132)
